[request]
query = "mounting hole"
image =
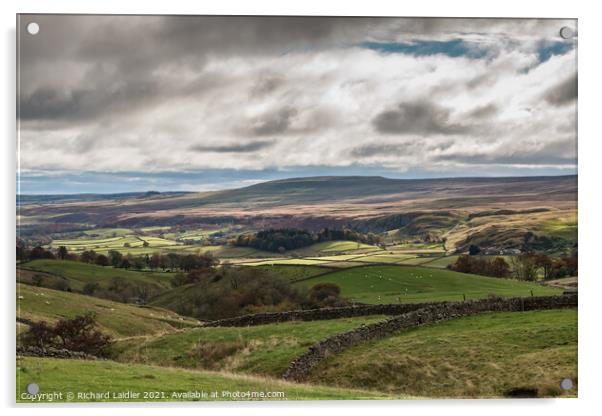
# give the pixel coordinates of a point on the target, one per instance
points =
(33, 28)
(567, 32)
(32, 388)
(566, 384)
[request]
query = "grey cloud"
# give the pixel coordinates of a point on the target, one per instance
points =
(234, 148)
(557, 152)
(563, 93)
(411, 147)
(265, 85)
(421, 118)
(484, 112)
(274, 123)
(50, 103)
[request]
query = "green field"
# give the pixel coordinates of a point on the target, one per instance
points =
(293, 272)
(394, 284)
(479, 356)
(78, 274)
(330, 247)
(117, 319)
(264, 350)
(107, 232)
(63, 376)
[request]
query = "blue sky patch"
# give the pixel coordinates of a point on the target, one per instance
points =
(453, 48)
(547, 50)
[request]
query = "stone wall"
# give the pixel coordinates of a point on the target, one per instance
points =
(33, 351)
(320, 314)
(300, 368)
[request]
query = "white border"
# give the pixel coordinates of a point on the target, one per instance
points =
(590, 151)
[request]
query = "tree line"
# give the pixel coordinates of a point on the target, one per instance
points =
(525, 266)
(114, 258)
(285, 239)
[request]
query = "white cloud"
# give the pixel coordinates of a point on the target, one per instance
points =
(307, 107)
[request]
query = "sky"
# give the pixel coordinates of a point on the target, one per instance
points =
(194, 103)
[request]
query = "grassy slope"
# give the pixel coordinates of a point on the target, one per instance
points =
(79, 273)
(483, 355)
(293, 272)
(386, 284)
(102, 376)
(264, 349)
(117, 319)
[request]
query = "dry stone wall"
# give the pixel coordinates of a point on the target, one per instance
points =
(320, 314)
(300, 368)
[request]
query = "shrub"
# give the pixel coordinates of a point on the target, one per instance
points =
(76, 334)
(324, 293)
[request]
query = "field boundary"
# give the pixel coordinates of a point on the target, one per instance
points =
(264, 318)
(300, 368)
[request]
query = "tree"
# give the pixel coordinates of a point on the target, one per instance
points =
(324, 293)
(473, 250)
(525, 267)
(62, 252)
(90, 288)
(76, 334)
(88, 256)
(545, 264)
(115, 258)
(37, 279)
(499, 267)
(102, 260)
(40, 253)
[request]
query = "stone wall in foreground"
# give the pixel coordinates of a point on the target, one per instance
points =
(300, 368)
(32, 351)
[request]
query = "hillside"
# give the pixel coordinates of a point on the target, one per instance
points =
(117, 319)
(176, 384)
(77, 274)
(470, 357)
(368, 192)
(405, 284)
(262, 350)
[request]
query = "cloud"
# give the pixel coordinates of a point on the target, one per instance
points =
(179, 93)
(233, 148)
(563, 93)
(275, 123)
(417, 118)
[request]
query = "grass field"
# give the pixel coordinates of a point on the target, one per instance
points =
(117, 319)
(292, 272)
(78, 274)
(107, 232)
(333, 247)
(265, 349)
(484, 356)
(167, 384)
(394, 284)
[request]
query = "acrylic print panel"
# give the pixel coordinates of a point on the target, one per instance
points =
(295, 208)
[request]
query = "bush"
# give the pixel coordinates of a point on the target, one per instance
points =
(90, 288)
(324, 293)
(497, 267)
(76, 334)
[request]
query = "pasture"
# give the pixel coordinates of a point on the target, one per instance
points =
(77, 274)
(262, 350)
(117, 319)
(479, 356)
(65, 376)
(406, 284)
